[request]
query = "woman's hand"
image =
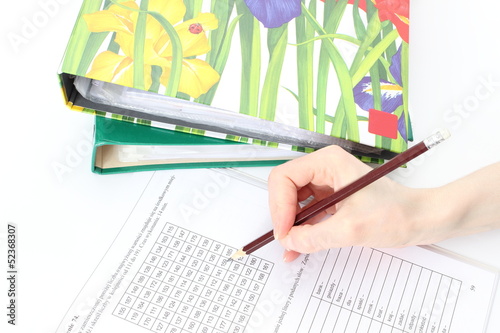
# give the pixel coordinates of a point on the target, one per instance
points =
(383, 214)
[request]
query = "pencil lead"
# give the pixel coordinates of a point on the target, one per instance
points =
(238, 254)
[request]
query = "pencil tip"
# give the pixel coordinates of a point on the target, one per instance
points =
(238, 254)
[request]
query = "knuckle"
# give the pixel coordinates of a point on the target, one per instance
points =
(273, 174)
(335, 152)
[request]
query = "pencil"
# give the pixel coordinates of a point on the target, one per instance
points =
(350, 189)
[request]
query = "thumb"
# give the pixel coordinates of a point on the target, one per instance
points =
(309, 238)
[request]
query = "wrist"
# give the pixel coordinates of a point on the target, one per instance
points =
(435, 214)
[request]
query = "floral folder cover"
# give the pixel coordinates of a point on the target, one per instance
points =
(294, 74)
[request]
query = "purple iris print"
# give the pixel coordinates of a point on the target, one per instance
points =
(402, 127)
(395, 67)
(274, 13)
(391, 94)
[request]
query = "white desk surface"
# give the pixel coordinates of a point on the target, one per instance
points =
(455, 83)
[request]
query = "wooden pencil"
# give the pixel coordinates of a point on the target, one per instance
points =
(350, 189)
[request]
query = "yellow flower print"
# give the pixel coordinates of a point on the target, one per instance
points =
(197, 76)
(115, 19)
(194, 41)
(111, 67)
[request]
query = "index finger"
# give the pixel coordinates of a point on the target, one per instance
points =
(286, 180)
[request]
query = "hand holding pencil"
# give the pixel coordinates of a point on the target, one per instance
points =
(364, 218)
(367, 209)
(382, 214)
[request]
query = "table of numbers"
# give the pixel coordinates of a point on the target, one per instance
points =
(188, 284)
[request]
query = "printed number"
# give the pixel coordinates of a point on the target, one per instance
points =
(153, 259)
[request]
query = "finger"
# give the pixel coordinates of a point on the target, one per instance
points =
(304, 193)
(311, 190)
(329, 233)
(289, 256)
(284, 182)
(283, 203)
(329, 210)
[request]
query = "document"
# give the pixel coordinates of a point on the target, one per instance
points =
(169, 271)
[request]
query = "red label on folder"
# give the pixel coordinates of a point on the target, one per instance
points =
(383, 123)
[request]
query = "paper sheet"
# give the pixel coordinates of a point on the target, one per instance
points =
(168, 271)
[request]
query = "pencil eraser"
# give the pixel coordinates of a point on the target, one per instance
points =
(437, 138)
(445, 133)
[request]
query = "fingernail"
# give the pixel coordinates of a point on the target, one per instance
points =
(285, 256)
(275, 234)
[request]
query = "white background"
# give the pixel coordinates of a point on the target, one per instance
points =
(67, 217)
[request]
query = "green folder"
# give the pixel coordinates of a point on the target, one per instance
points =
(121, 146)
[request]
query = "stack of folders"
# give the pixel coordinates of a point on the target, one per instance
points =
(206, 84)
(127, 147)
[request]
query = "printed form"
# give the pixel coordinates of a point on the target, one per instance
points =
(168, 271)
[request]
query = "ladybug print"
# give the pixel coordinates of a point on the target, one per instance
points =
(195, 28)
